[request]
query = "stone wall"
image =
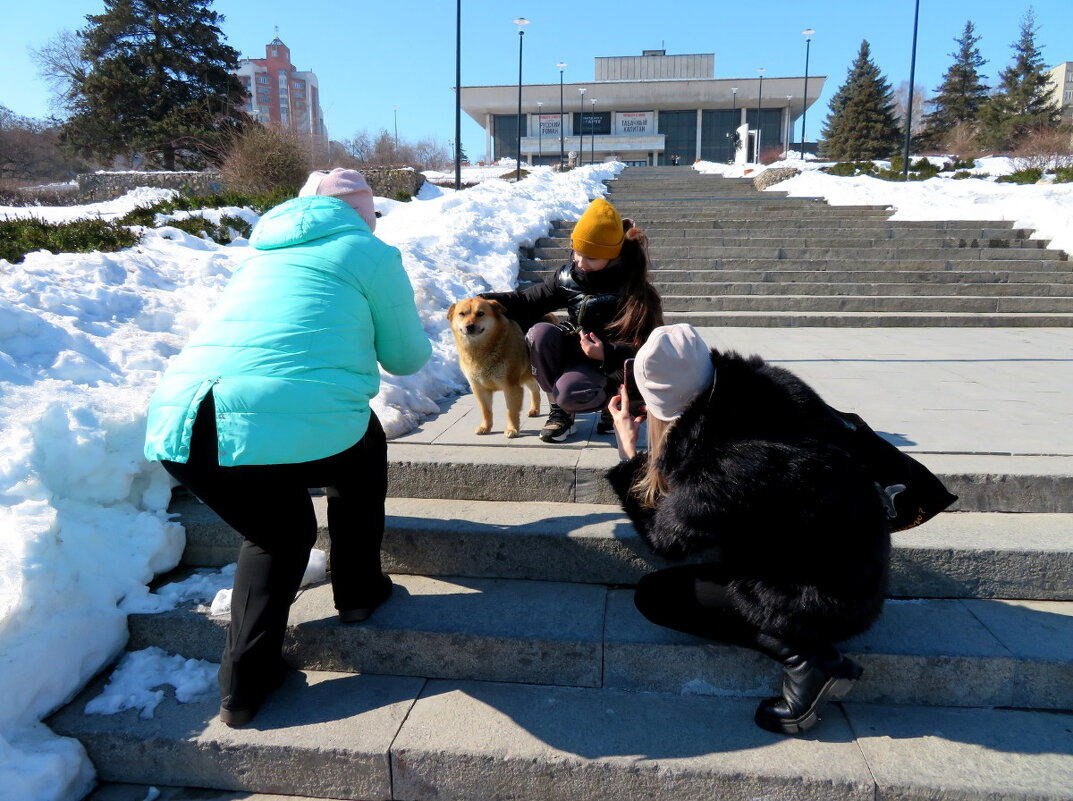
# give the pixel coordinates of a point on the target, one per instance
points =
(773, 176)
(98, 186)
(391, 182)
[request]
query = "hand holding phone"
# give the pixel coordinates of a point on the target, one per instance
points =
(636, 407)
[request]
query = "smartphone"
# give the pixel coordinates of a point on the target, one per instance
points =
(636, 402)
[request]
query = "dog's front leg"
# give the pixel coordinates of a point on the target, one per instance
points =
(515, 395)
(484, 403)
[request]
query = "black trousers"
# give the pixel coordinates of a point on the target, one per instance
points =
(564, 371)
(693, 599)
(270, 506)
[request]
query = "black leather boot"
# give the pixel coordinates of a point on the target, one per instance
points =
(810, 680)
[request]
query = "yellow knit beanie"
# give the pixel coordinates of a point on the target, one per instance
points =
(598, 234)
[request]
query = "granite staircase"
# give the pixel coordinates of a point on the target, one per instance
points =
(728, 255)
(510, 662)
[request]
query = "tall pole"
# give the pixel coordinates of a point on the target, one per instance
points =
(521, 22)
(786, 147)
(804, 96)
(759, 97)
(909, 101)
(395, 113)
(458, 95)
(592, 128)
(540, 131)
(581, 130)
(562, 130)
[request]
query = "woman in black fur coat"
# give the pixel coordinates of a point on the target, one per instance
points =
(746, 457)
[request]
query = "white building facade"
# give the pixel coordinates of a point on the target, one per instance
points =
(643, 110)
(1062, 88)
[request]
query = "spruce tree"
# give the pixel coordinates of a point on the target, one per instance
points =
(1022, 102)
(861, 123)
(962, 93)
(158, 83)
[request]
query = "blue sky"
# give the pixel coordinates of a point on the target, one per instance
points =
(371, 57)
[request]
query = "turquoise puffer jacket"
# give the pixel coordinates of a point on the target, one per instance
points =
(290, 351)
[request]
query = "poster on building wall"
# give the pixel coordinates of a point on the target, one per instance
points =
(635, 123)
(548, 125)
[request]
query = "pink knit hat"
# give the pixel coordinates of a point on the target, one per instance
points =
(672, 368)
(347, 185)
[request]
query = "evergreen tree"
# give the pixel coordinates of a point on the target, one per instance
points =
(157, 83)
(861, 124)
(1022, 101)
(962, 93)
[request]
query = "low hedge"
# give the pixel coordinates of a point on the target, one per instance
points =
(19, 237)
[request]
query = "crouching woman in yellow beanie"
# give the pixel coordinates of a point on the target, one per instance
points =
(611, 309)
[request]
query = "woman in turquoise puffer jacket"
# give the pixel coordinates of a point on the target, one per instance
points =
(271, 396)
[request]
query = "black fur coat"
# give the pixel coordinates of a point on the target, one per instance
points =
(756, 468)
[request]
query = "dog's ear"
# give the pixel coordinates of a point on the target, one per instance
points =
(496, 307)
(451, 310)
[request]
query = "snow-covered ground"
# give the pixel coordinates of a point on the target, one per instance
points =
(1046, 207)
(84, 338)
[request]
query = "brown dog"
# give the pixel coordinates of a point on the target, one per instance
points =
(493, 356)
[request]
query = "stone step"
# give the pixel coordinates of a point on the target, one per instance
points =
(383, 737)
(757, 209)
(519, 470)
(145, 792)
(826, 225)
(701, 278)
(863, 288)
(793, 319)
(955, 555)
(932, 652)
(1010, 260)
(879, 304)
(833, 239)
(664, 253)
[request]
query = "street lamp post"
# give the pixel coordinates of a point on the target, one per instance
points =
(581, 130)
(759, 98)
(540, 132)
(395, 114)
(592, 129)
(458, 95)
(804, 96)
(562, 131)
(909, 100)
(521, 22)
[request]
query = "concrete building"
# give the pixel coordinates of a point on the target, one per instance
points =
(642, 110)
(278, 92)
(1062, 88)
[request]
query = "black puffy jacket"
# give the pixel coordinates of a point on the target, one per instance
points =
(756, 468)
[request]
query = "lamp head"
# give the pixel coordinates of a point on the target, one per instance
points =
(562, 65)
(807, 32)
(521, 22)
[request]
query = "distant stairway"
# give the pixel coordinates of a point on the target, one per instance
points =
(726, 254)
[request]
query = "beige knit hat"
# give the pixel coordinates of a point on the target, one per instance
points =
(347, 185)
(672, 368)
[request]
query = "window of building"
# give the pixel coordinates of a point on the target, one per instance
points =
(262, 79)
(680, 131)
(504, 135)
(297, 85)
(771, 133)
(717, 128)
(590, 123)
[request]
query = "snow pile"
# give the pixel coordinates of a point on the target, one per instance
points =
(1046, 207)
(83, 341)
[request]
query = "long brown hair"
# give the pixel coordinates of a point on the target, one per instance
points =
(651, 483)
(642, 310)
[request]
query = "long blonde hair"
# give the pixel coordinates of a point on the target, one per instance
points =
(651, 483)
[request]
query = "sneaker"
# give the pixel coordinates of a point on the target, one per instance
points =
(559, 426)
(606, 423)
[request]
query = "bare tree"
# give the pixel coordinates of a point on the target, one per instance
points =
(901, 99)
(61, 63)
